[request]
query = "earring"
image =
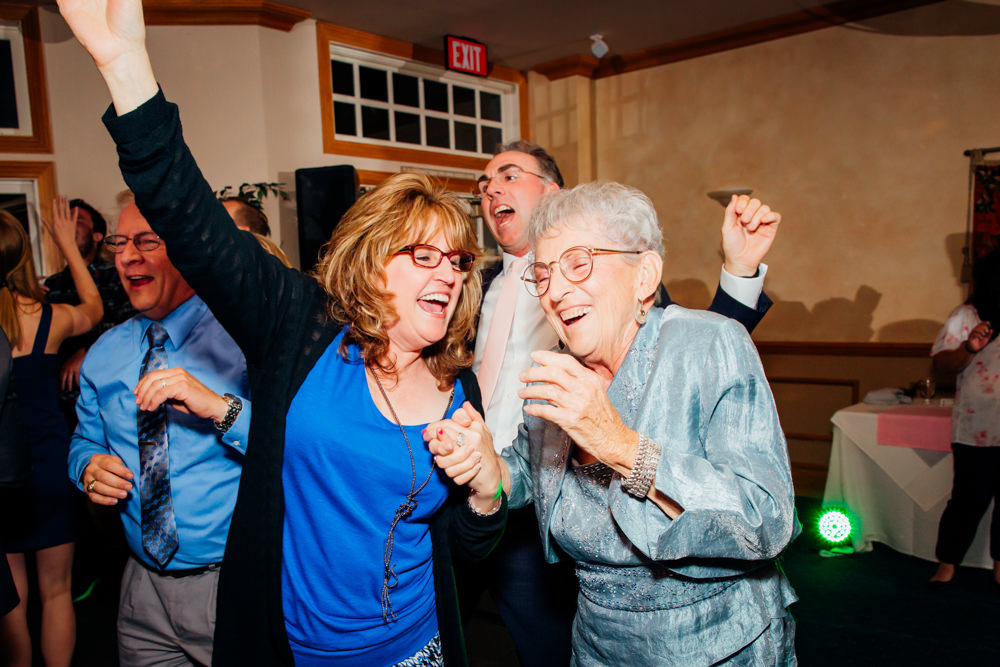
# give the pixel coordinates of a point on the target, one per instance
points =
(640, 315)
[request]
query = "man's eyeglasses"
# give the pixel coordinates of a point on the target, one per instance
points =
(143, 242)
(507, 174)
(576, 264)
(428, 257)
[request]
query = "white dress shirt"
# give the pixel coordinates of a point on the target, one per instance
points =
(529, 332)
(745, 290)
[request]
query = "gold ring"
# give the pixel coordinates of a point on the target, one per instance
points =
(90, 485)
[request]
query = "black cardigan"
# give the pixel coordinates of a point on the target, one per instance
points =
(279, 319)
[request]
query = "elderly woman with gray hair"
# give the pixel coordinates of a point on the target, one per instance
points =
(650, 447)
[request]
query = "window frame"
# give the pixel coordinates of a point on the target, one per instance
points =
(40, 139)
(328, 35)
(48, 258)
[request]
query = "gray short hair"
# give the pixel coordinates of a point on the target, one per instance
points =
(622, 214)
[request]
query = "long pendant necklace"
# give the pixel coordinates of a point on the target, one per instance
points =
(390, 580)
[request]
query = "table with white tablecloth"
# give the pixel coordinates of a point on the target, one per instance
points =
(894, 494)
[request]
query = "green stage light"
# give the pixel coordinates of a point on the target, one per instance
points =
(834, 526)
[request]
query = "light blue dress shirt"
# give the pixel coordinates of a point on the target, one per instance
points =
(204, 464)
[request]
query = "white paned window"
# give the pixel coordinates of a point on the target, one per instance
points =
(389, 101)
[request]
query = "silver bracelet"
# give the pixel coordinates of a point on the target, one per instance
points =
(484, 514)
(644, 469)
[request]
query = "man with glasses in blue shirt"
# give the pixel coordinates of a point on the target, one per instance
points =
(537, 601)
(163, 422)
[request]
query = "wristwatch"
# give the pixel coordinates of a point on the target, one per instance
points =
(235, 405)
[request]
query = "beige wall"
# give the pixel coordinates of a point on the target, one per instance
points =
(249, 99)
(856, 137)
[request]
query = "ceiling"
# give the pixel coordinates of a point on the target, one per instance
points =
(523, 34)
(535, 34)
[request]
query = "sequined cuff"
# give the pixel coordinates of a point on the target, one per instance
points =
(644, 469)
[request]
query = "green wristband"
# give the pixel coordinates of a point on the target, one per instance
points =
(499, 490)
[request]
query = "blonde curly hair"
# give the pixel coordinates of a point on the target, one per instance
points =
(406, 208)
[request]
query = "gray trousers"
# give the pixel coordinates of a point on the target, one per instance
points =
(166, 620)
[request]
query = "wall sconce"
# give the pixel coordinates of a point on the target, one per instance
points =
(724, 195)
(598, 46)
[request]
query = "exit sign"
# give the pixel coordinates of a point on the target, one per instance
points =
(465, 55)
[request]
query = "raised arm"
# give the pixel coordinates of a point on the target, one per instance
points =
(246, 288)
(748, 314)
(748, 230)
(113, 33)
(73, 320)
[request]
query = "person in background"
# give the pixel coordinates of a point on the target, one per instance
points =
(534, 598)
(45, 524)
(91, 229)
(650, 448)
(966, 346)
(247, 217)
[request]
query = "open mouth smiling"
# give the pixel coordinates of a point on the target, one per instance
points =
(571, 316)
(434, 303)
(502, 213)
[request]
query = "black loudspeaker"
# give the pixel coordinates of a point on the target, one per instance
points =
(322, 196)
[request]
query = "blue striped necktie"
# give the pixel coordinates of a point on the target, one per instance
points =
(159, 530)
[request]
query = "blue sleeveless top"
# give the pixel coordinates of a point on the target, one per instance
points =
(49, 511)
(345, 471)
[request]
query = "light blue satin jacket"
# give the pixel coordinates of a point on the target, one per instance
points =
(693, 383)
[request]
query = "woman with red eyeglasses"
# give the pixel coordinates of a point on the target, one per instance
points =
(340, 545)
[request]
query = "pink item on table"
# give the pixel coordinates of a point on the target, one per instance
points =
(918, 427)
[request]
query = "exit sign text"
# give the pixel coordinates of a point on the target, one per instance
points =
(465, 55)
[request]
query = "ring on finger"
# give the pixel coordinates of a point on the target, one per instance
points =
(460, 440)
(90, 485)
(163, 383)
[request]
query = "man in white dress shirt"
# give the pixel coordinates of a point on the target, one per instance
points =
(537, 601)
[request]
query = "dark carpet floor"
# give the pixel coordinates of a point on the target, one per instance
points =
(877, 608)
